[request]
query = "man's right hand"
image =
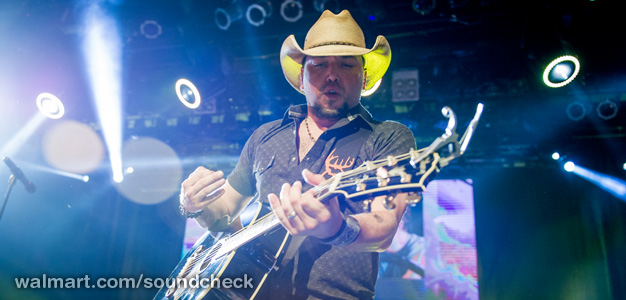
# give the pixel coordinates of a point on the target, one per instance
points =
(201, 188)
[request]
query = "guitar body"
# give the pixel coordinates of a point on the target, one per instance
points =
(209, 277)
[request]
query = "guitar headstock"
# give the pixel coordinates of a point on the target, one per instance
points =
(407, 173)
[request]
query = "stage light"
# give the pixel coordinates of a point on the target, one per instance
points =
(150, 29)
(576, 111)
(624, 166)
(291, 10)
(613, 185)
(569, 166)
(103, 56)
(50, 106)
(561, 71)
(607, 109)
(130, 170)
(187, 93)
(423, 7)
(373, 89)
(556, 156)
(19, 139)
(42, 168)
(258, 12)
(225, 16)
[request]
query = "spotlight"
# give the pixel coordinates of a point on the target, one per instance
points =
(118, 178)
(561, 71)
(150, 29)
(291, 10)
(373, 89)
(227, 15)
(624, 166)
(576, 111)
(258, 12)
(607, 109)
(187, 93)
(556, 156)
(86, 178)
(50, 106)
(569, 166)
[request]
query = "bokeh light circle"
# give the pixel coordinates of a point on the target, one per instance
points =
(157, 171)
(73, 147)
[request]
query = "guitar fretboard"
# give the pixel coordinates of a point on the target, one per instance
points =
(247, 234)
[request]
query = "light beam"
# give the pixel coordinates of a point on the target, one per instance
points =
(102, 50)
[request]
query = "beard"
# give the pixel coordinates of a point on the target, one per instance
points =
(331, 113)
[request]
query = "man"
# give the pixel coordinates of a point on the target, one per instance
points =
(332, 133)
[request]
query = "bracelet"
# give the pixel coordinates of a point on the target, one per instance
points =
(187, 214)
(348, 233)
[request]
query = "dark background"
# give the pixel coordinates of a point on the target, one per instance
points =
(542, 233)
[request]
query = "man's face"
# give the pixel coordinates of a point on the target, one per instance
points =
(332, 84)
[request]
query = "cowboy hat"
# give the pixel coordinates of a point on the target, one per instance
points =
(335, 35)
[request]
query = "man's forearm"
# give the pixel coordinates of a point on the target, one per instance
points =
(378, 227)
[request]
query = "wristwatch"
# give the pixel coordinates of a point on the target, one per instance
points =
(191, 215)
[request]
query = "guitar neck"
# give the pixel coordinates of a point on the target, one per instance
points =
(250, 232)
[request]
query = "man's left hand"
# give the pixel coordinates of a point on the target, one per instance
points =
(302, 214)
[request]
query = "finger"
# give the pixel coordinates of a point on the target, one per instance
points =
(294, 199)
(284, 198)
(193, 177)
(208, 178)
(312, 179)
(209, 190)
(203, 179)
(278, 210)
(210, 198)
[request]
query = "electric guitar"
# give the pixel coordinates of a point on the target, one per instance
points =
(236, 266)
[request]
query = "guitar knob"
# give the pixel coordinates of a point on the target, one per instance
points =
(413, 198)
(388, 202)
(367, 206)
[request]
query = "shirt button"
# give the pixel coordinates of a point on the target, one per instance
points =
(293, 158)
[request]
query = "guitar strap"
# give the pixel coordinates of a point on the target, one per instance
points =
(348, 143)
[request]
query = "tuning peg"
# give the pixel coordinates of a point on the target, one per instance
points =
(361, 185)
(413, 198)
(382, 175)
(367, 206)
(392, 161)
(405, 177)
(388, 202)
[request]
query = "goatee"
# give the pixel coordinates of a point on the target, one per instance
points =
(329, 113)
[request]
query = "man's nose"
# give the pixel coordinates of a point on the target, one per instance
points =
(332, 72)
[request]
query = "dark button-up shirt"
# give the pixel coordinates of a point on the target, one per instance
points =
(270, 158)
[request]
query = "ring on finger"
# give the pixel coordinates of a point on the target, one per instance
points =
(292, 215)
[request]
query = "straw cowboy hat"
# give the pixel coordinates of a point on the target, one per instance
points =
(335, 35)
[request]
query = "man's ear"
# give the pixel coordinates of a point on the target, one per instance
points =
(302, 78)
(364, 79)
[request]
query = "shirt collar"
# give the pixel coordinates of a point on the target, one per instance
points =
(299, 112)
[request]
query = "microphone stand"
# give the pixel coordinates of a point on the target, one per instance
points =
(6, 196)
